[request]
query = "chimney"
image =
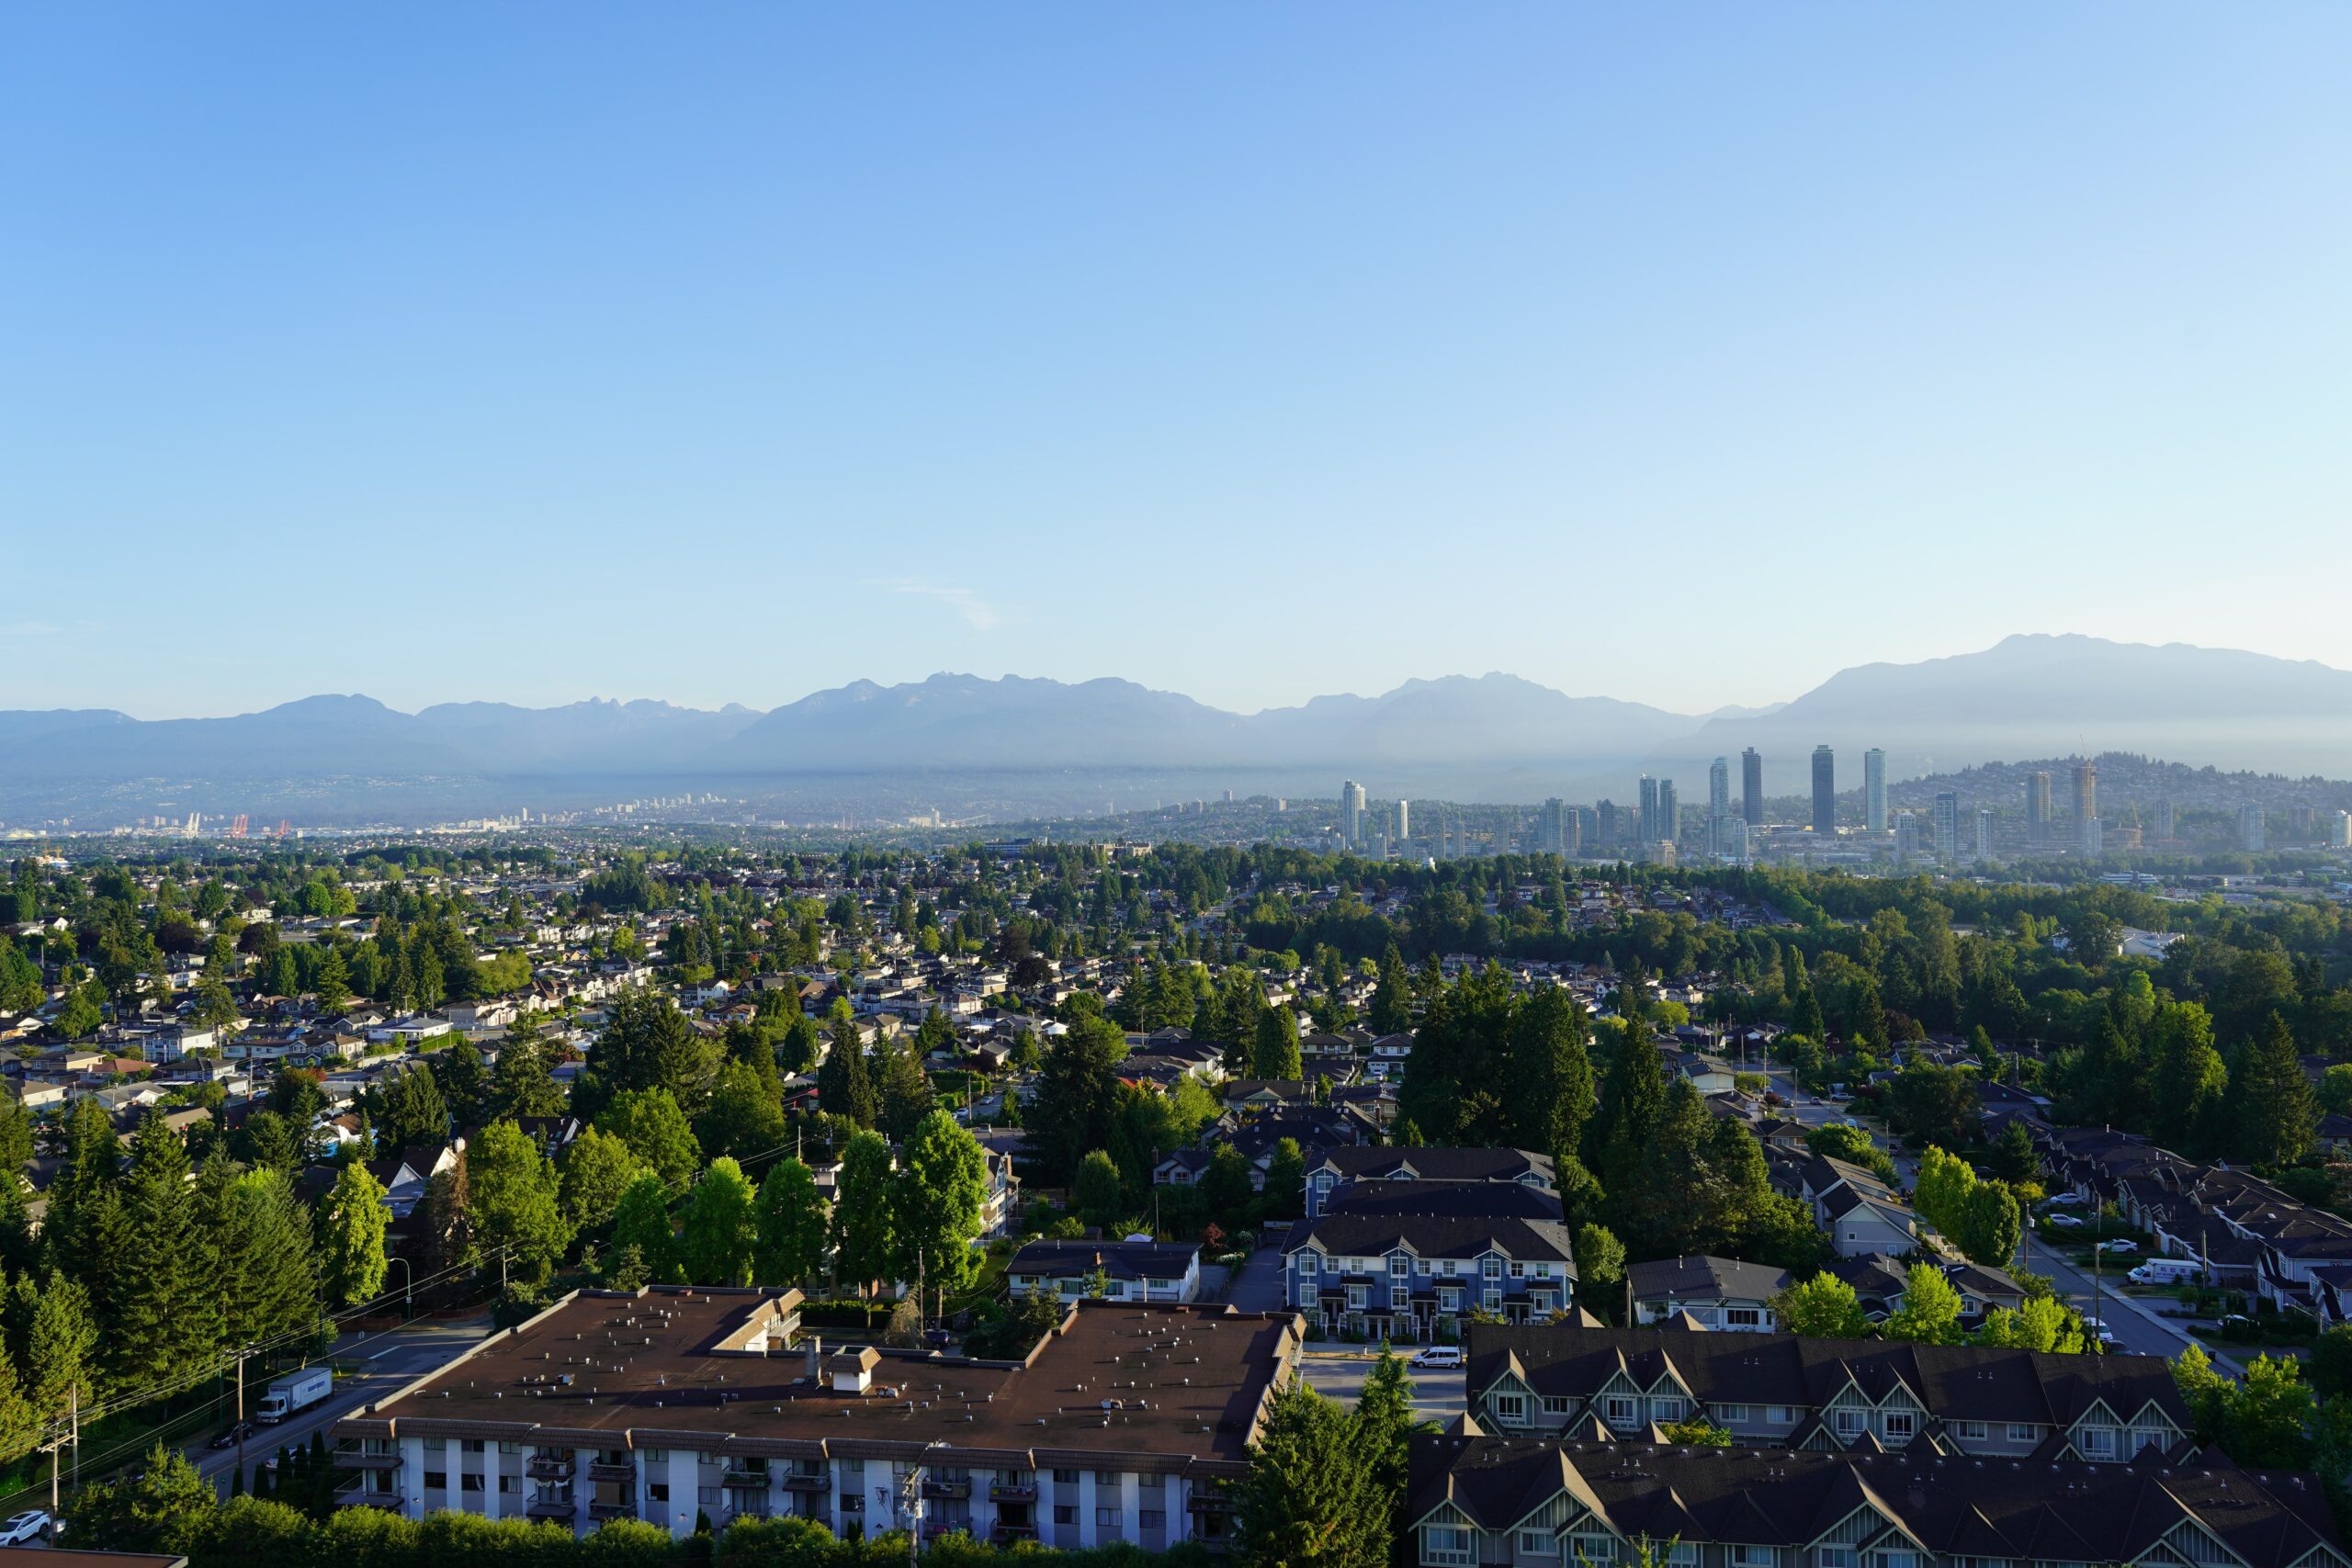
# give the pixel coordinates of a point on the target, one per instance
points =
(814, 1360)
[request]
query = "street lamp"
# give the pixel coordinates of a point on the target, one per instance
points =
(408, 1287)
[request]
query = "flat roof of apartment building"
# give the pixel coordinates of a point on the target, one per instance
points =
(1162, 1386)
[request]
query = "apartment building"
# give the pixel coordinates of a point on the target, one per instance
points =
(1413, 1277)
(1787, 1391)
(1473, 1501)
(1342, 1167)
(1125, 1424)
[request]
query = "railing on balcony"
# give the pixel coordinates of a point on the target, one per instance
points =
(955, 1491)
(1002, 1532)
(752, 1480)
(355, 1458)
(623, 1509)
(1209, 1503)
(607, 1469)
(1002, 1492)
(358, 1493)
(548, 1467)
(796, 1481)
(550, 1508)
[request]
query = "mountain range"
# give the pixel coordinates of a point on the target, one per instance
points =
(1492, 737)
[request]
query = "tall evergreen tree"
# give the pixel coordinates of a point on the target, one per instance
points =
(268, 1268)
(1392, 998)
(1275, 1047)
(1548, 1072)
(791, 1225)
(844, 1085)
(352, 1222)
(2277, 1108)
(1632, 1101)
(166, 1316)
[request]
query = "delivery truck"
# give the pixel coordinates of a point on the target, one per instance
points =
(298, 1392)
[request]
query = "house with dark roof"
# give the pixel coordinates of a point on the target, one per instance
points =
(1128, 1270)
(1791, 1390)
(1724, 1293)
(1414, 1276)
(1472, 1499)
(1340, 1167)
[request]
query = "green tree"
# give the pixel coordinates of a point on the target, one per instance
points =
(1392, 998)
(939, 1201)
(1930, 1309)
(653, 1126)
(1383, 1418)
(61, 1346)
(267, 1265)
(1314, 1496)
(1076, 1096)
(844, 1084)
(352, 1225)
(721, 1229)
(1285, 1191)
(521, 1084)
(409, 1111)
(744, 1118)
(144, 1514)
(2277, 1112)
(791, 1226)
(1825, 1307)
(1274, 1046)
(594, 1170)
(641, 1228)
(1098, 1194)
(864, 1247)
(1600, 1268)
(164, 1316)
(463, 1082)
(515, 1201)
(1548, 1074)
(1991, 1225)
(904, 1090)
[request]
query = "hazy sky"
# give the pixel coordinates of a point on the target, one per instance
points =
(1684, 353)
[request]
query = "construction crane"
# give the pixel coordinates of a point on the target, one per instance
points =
(237, 828)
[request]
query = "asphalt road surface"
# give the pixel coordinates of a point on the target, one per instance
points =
(1436, 1396)
(391, 1358)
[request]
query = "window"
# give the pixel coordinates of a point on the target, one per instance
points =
(1065, 1478)
(1742, 1317)
(1401, 1295)
(659, 1492)
(434, 1478)
(707, 1495)
(1781, 1414)
(1555, 1405)
(1307, 1263)
(510, 1447)
(510, 1484)
(1152, 1518)
(1107, 1478)
(655, 1456)
(1447, 1547)
(1754, 1557)
(470, 1483)
(1849, 1423)
(1895, 1560)
(1683, 1555)
(1836, 1557)
(1358, 1297)
(1900, 1425)
(1398, 1265)
(1669, 1409)
(1970, 1431)
(1065, 1514)
(1510, 1407)
(1421, 1267)
(1594, 1547)
(1490, 1267)
(1621, 1410)
(471, 1446)
(1727, 1413)
(1517, 1269)
(2021, 1431)
(2097, 1442)
(1111, 1517)
(1537, 1543)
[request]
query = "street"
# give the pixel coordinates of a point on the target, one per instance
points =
(392, 1357)
(1436, 1396)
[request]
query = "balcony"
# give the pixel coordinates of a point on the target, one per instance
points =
(953, 1491)
(548, 1467)
(623, 1509)
(1000, 1491)
(360, 1492)
(795, 1481)
(550, 1508)
(744, 1480)
(353, 1459)
(1209, 1503)
(603, 1469)
(1002, 1533)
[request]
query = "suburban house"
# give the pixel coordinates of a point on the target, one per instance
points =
(1473, 1500)
(1412, 1277)
(1128, 1270)
(1789, 1391)
(1718, 1293)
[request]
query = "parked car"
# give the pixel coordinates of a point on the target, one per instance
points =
(2063, 1221)
(31, 1525)
(2096, 1328)
(2116, 1246)
(228, 1440)
(1439, 1356)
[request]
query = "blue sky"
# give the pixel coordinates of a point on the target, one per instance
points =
(1685, 354)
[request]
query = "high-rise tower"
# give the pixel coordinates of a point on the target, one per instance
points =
(1825, 790)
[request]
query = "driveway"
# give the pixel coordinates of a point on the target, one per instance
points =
(1257, 1287)
(1436, 1396)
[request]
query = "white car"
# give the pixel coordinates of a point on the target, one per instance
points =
(1438, 1356)
(2065, 1221)
(2117, 1246)
(30, 1526)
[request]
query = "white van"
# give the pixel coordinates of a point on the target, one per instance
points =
(2164, 1271)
